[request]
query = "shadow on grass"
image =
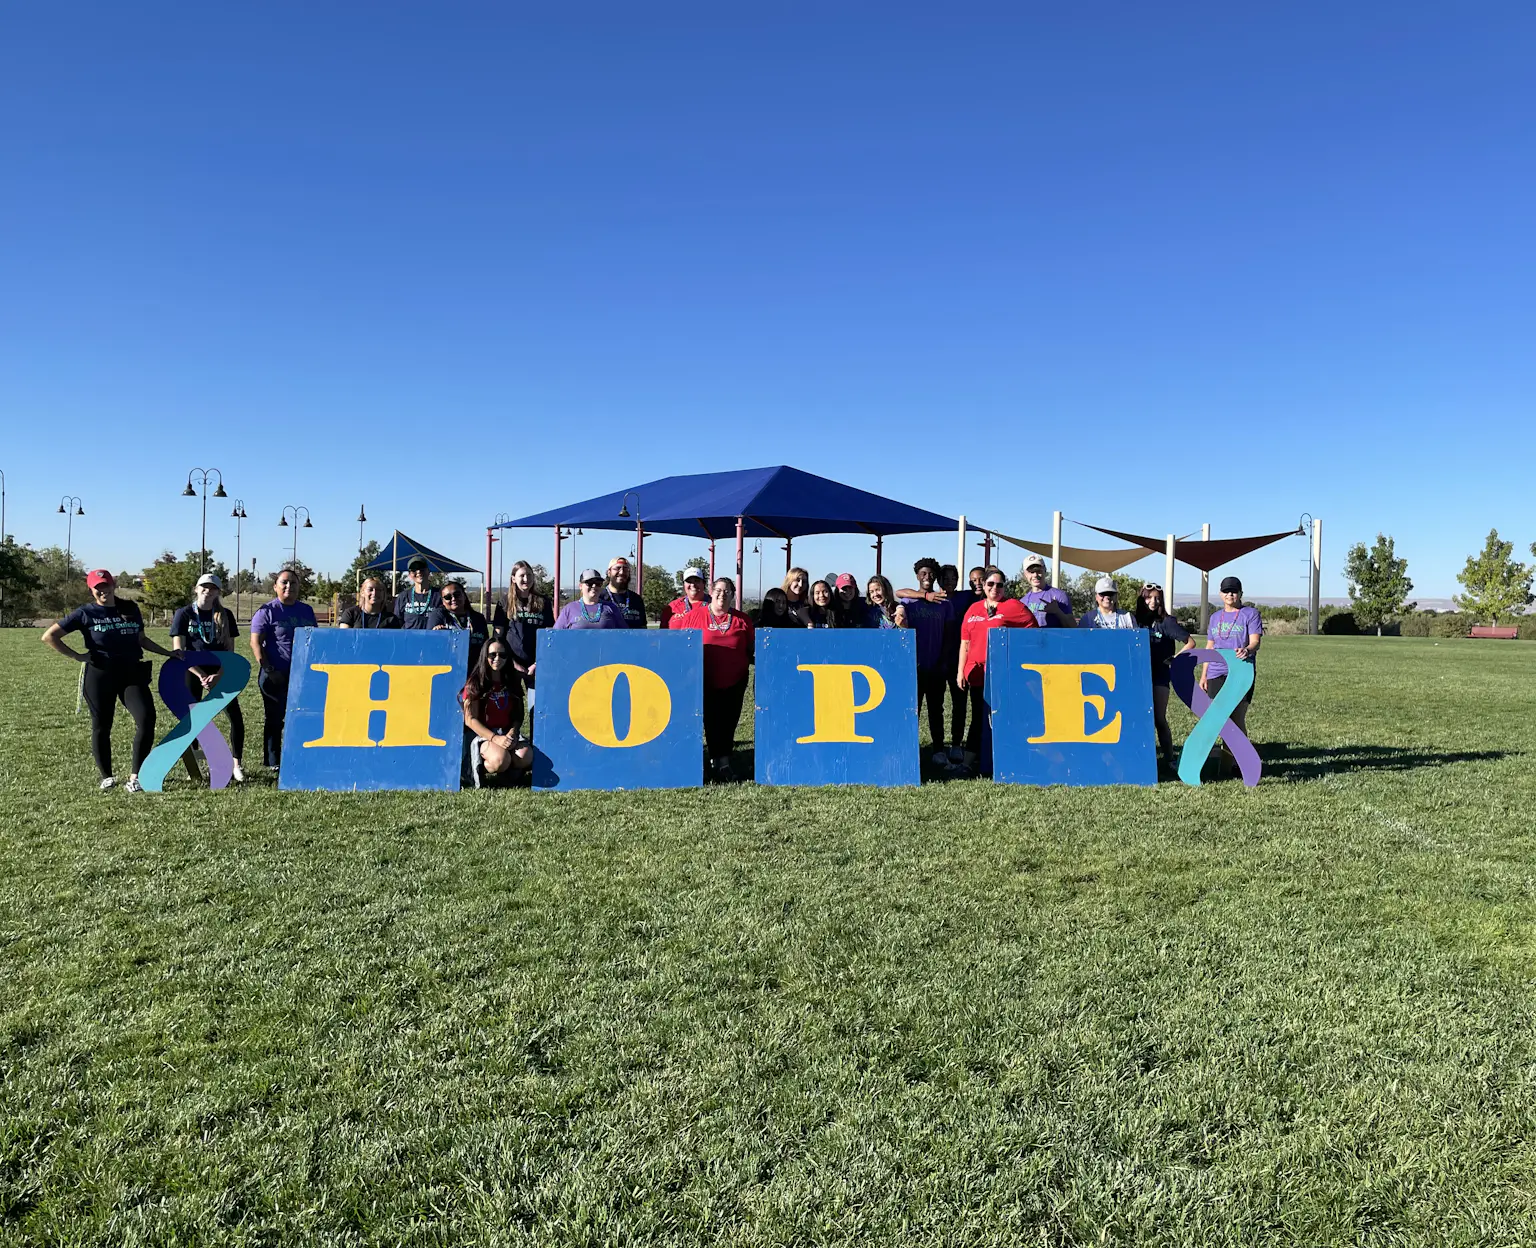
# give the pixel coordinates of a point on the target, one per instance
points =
(1294, 763)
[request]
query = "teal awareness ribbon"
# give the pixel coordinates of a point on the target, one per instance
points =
(1214, 715)
(195, 719)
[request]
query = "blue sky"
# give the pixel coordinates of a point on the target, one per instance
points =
(1152, 265)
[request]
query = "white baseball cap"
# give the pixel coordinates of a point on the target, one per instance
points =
(1035, 561)
(1105, 585)
(208, 578)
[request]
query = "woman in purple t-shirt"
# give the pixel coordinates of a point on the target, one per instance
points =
(1239, 630)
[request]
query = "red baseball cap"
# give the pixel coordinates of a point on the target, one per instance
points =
(845, 579)
(99, 577)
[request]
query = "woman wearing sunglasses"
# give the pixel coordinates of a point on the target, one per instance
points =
(995, 610)
(1166, 634)
(457, 615)
(493, 716)
(593, 609)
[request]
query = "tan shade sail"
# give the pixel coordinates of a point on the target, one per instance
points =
(1205, 555)
(1094, 560)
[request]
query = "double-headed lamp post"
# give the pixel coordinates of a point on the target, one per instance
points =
(283, 524)
(70, 506)
(239, 514)
(203, 476)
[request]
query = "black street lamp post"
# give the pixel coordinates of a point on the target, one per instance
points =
(203, 476)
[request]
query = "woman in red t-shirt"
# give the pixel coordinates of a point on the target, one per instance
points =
(727, 659)
(493, 715)
(995, 610)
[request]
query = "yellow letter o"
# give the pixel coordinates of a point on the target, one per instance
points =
(591, 705)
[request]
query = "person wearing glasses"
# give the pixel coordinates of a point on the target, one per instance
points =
(1106, 612)
(630, 605)
(115, 670)
(695, 591)
(208, 625)
(1238, 631)
(456, 615)
(493, 716)
(1166, 633)
(272, 628)
(372, 608)
(593, 609)
(1051, 606)
(415, 604)
(995, 610)
(727, 658)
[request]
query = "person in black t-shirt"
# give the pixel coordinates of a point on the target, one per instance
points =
(456, 613)
(525, 614)
(414, 605)
(208, 625)
(370, 611)
(630, 605)
(115, 670)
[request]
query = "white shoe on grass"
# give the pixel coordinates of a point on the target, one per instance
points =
(237, 774)
(133, 785)
(108, 783)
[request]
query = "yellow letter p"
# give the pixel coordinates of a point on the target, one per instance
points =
(832, 701)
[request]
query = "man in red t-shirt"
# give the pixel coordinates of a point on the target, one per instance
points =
(995, 610)
(695, 594)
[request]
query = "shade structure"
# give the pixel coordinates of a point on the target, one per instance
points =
(401, 549)
(771, 502)
(1094, 560)
(1205, 555)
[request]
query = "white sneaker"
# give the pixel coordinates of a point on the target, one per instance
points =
(939, 759)
(108, 783)
(237, 774)
(133, 785)
(956, 755)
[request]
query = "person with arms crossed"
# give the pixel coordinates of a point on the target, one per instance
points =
(115, 670)
(272, 629)
(208, 625)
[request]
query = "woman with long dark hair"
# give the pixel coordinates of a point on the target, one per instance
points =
(1166, 633)
(881, 608)
(493, 715)
(821, 611)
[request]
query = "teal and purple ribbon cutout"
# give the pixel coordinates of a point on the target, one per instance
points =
(195, 719)
(1214, 715)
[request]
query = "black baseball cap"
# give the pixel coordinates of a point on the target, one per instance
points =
(1231, 585)
(418, 561)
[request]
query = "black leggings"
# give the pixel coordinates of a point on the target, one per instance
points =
(104, 688)
(978, 716)
(722, 713)
(958, 699)
(274, 705)
(930, 689)
(236, 727)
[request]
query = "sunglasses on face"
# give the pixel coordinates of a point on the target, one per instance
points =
(495, 656)
(996, 584)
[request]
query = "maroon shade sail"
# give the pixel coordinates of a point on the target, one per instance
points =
(1205, 555)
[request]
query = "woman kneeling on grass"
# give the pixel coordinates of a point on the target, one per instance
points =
(493, 714)
(727, 658)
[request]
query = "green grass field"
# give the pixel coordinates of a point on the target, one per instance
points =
(964, 1014)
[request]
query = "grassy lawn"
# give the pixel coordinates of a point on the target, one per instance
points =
(965, 1014)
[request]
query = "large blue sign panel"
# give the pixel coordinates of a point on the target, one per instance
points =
(619, 709)
(374, 709)
(1071, 706)
(836, 706)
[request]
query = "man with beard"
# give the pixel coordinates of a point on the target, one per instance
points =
(629, 605)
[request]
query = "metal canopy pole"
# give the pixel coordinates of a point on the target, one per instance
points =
(1056, 579)
(741, 554)
(1205, 586)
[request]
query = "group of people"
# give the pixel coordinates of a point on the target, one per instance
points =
(951, 627)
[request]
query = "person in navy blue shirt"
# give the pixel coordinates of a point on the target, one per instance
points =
(457, 615)
(630, 605)
(272, 629)
(115, 670)
(414, 605)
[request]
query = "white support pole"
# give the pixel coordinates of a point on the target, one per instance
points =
(1317, 573)
(1205, 586)
(960, 558)
(1168, 576)
(1056, 577)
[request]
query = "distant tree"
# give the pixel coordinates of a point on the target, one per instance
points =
(1378, 583)
(168, 581)
(699, 562)
(660, 589)
(1080, 590)
(19, 582)
(1497, 586)
(543, 583)
(306, 578)
(61, 578)
(353, 576)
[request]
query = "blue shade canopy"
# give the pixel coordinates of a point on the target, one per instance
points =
(772, 502)
(401, 549)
